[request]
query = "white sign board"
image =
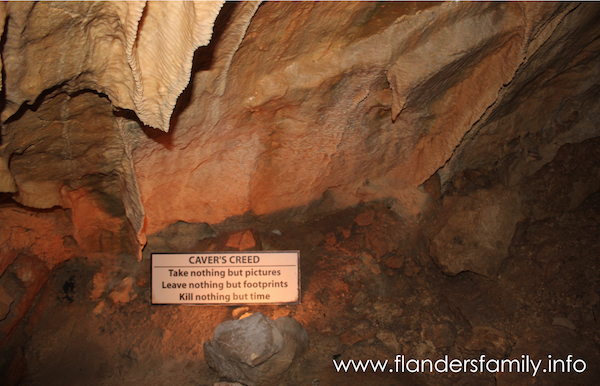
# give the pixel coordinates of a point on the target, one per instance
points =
(226, 278)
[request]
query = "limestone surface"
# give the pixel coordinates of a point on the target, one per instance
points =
(138, 53)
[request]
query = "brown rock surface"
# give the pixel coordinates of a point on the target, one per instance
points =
(360, 332)
(552, 272)
(313, 123)
(241, 241)
(488, 340)
(531, 120)
(554, 344)
(275, 160)
(5, 302)
(473, 233)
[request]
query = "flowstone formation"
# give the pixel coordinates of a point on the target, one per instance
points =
(394, 144)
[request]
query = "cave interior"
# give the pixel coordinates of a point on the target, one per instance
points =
(436, 166)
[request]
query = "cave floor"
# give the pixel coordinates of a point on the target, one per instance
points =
(365, 295)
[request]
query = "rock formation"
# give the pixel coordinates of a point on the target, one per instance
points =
(256, 350)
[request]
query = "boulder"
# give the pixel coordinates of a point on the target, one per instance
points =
(474, 232)
(255, 350)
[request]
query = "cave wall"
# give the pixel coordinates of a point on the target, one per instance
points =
(331, 115)
(343, 117)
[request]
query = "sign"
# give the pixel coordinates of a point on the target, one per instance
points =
(226, 278)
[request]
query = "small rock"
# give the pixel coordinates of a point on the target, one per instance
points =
(135, 354)
(563, 321)
(411, 268)
(359, 298)
(183, 235)
(344, 232)
(331, 239)
(99, 308)
(369, 262)
(250, 341)
(28, 269)
(315, 238)
(241, 240)
(239, 311)
(98, 282)
(395, 262)
(123, 293)
(489, 340)
(365, 218)
(381, 243)
(280, 312)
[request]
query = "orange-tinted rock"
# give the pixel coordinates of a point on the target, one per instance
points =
(381, 243)
(325, 117)
(395, 262)
(123, 293)
(331, 238)
(95, 229)
(370, 263)
(241, 240)
(46, 235)
(310, 122)
(98, 285)
(365, 218)
(32, 275)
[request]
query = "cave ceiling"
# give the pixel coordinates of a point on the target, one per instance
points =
(142, 114)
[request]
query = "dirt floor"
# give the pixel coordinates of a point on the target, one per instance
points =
(369, 291)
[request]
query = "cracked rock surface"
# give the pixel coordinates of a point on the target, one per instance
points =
(256, 350)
